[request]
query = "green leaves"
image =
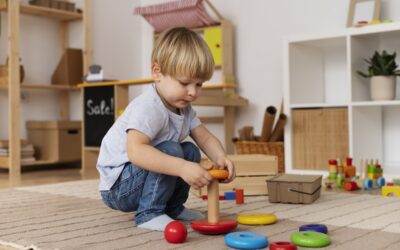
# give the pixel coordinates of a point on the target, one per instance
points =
(383, 64)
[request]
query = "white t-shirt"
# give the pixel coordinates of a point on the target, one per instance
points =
(147, 114)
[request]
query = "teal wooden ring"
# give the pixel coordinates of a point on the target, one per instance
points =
(310, 239)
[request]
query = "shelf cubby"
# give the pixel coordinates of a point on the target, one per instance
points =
(318, 71)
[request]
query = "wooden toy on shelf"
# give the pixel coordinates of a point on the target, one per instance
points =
(213, 224)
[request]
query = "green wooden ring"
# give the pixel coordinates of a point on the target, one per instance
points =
(310, 239)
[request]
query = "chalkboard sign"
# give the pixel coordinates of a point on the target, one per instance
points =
(99, 113)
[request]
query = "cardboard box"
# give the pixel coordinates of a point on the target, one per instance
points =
(252, 170)
(58, 141)
(69, 70)
(292, 188)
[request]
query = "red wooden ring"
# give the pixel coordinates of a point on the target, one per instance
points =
(282, 245)
(223, 226)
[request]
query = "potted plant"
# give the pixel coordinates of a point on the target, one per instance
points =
(382, 69)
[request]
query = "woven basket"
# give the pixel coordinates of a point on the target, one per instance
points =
(259, 147)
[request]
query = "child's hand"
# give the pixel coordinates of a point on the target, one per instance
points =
(196, 176)
(222, 163)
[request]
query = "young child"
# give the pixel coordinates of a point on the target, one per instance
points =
(144, 163)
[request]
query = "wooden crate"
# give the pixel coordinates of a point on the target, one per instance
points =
(252, 171)
(319, 135)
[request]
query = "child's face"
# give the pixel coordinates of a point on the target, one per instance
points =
(178, 92)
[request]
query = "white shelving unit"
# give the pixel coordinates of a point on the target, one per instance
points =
(320, 72)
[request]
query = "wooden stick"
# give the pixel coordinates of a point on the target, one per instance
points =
(277, 134)
(269, 118)
(213, 202)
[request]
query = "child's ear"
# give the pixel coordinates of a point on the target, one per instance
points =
(156, 72)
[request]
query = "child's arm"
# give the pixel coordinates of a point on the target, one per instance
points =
(212, 147)
(142, 154)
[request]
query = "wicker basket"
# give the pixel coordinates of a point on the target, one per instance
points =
(259, 147)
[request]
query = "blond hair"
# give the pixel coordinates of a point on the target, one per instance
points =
(181, 52)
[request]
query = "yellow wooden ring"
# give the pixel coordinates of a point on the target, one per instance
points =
(219, 174)
(256, 219)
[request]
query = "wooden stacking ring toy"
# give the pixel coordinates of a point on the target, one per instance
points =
(256, 219)
(218, 174)
(310, 239)
(320, 228)
(245, 240)
(213, 224)
(282, 245)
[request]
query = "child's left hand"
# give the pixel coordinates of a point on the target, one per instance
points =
(222, 163)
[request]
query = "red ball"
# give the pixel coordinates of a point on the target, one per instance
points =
(175, 232)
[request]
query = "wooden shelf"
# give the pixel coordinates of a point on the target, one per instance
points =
(4, 165)
(43, 87)
(376, 103)
(94, 149)
(151, 80)
(61, 15)
(224, 101)
(121, 83)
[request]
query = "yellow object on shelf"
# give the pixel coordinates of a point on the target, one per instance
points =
(213, 38)
(256, 219)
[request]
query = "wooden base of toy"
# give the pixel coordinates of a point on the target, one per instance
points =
(213, 225)
(221, 227)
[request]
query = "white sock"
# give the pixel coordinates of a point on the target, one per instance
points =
(190, 215)
(157, 223)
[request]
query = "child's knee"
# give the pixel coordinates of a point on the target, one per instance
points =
(171, 148)
(192, 151)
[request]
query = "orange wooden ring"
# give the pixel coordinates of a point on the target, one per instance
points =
(219, 174)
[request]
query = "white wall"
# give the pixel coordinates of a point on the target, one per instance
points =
(123, 42)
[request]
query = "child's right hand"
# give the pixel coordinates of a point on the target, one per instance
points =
(194, 175)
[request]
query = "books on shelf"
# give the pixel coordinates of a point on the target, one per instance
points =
(27, 152)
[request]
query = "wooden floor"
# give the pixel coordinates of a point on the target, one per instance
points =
(39, 175)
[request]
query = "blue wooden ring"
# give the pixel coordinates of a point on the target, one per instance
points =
(380, 182)
(320, 228)
(246, 240)
(310, 239)
(368, 184)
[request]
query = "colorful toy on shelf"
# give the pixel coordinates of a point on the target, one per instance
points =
(213, 224)
(175, 232)
(391, 190)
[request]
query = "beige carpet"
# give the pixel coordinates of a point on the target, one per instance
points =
(71, 216)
